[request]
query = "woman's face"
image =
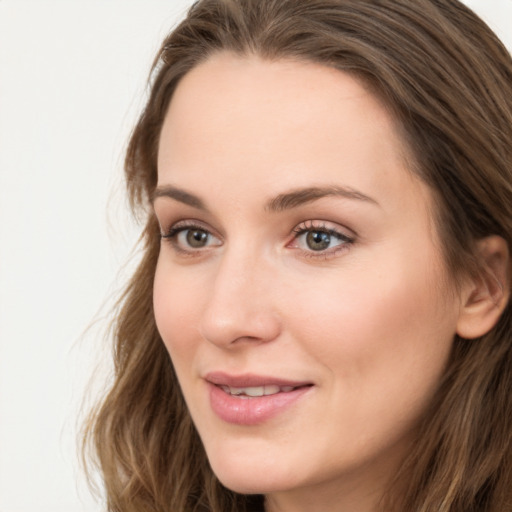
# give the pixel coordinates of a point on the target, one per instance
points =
(300, 288)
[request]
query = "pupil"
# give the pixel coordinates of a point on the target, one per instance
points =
(197, 238)
(318, 240)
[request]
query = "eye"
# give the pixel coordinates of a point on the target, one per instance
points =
(190, 238)
(320, 239)
(195, 238)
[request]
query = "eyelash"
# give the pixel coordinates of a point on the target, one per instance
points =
(172, 234)
(322, 227)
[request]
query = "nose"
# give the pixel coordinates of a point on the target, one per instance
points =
(240, 306)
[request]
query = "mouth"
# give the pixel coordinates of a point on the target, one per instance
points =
(251, 385)
(251, 400)
(257, 391)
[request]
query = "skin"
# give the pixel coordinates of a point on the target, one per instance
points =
(369, 322)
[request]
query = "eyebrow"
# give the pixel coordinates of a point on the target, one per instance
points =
(301, 196)
(281, 202)
(179, 195)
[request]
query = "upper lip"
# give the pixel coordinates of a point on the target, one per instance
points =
(250, 380)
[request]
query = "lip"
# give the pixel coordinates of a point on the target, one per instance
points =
(241, 410)
(249, 379)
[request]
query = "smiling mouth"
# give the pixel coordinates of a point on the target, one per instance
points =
(257, 391)
(250, 399)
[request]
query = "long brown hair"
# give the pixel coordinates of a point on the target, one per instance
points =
(448, 80)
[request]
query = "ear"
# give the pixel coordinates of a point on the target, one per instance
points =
(485, 295)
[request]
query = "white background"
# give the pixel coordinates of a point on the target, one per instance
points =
(72, 80)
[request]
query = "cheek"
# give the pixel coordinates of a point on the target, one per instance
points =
(176, 305)
(379, 330)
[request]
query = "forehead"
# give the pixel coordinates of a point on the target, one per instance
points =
(279, 124)
(228, 89)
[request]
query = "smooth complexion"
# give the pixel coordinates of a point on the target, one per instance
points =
(297, 247)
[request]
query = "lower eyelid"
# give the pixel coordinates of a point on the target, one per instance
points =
(325, 255)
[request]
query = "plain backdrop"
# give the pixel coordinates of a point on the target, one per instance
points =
(72, 80)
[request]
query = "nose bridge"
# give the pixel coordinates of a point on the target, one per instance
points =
(239, 304)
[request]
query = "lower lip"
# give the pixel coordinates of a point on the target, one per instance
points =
(252, 410)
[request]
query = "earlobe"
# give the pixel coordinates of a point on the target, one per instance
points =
(486, 295)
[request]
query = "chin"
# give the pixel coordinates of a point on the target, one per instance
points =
(248, 477)
(250, 484)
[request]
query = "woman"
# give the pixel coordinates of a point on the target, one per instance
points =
(321, 317)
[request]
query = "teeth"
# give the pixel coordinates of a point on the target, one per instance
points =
(272, 389)
(237, 391)
(256, 391)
